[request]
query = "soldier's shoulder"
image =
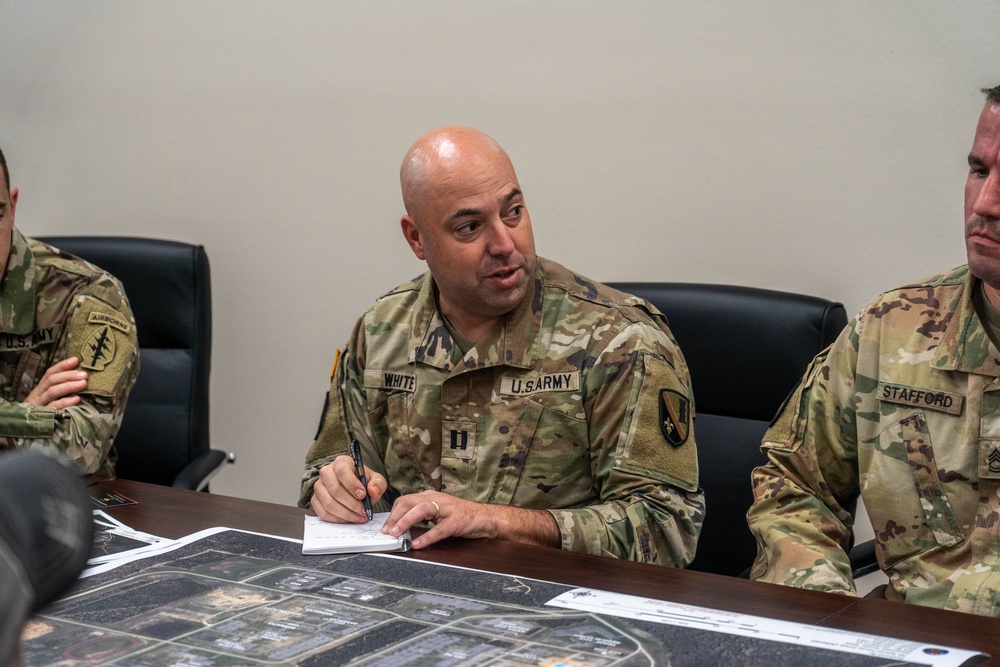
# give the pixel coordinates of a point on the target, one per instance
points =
(941, 289)
(594, 295)
(398, 301)
(77, 274)
(950, 279)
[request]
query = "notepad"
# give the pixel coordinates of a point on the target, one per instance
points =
(322, 537)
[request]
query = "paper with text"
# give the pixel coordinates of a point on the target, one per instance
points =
(323, 537)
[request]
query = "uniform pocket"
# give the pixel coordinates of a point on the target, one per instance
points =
(390, 421)
(903, 492)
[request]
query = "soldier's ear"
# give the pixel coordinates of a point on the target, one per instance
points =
(412, 235)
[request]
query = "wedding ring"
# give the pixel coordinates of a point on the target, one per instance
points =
(437, 510)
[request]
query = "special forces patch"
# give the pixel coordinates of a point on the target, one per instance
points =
(675, 416)
(98, 350)
(104, 341)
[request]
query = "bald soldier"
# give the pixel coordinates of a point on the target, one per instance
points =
(500, 394)
(904, 409)
(68, 350)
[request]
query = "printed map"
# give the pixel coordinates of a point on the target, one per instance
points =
(236, 598)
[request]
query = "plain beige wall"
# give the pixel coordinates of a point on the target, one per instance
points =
(816, 147)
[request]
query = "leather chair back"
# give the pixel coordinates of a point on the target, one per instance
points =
(166, 422)
(747, 349)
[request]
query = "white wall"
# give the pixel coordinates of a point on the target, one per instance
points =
(816, 147)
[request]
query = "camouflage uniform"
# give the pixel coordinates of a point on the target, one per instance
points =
(54, 306)
(558, 408)
(905, 409)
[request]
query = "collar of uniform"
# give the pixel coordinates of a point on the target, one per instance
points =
(430, 341)
(513, 343)
(17, 291)
(516, 342)
(965, 346)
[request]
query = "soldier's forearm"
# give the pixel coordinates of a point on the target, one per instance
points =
(526, 526)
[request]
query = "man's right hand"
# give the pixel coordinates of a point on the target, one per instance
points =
(338, 492)
(60, 385)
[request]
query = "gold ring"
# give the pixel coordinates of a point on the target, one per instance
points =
(437, 510)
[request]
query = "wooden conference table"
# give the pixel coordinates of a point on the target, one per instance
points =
(173, 513)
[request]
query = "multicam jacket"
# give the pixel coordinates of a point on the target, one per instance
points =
(54, 306)
(905, 409)
(566, 406)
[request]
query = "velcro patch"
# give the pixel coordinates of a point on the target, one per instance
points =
(645, 451)
(941, 401)
(376, 379)
(106, 352)
(539, 383)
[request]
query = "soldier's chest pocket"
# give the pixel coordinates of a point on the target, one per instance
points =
(905, 494)
(557, 429)
(389, 416)
(22, 372)
(544, 453)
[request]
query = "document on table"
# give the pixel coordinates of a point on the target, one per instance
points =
(714, 620)
(113, 540)
(323, 537)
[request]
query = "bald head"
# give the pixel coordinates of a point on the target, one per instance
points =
(439, 156)
(466, 217)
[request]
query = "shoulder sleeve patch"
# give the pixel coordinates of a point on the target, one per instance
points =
(104, 341)
(659, 441)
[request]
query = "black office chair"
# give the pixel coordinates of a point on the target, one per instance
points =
(746, 348)
(164, 437)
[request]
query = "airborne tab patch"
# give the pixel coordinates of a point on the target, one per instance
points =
(675, 416)
(105, 318)
(941, 401)
(389, 380)
(533, 385)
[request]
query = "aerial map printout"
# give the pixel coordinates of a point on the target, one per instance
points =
(229, 597)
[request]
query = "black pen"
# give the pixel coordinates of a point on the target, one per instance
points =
(359, 466)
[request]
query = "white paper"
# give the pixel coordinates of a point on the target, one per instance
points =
(170, 545)
(114, 540)
(689, 616)
(323, 537)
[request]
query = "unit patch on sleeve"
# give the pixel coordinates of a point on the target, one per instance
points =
(98, 350)
(941, 401)
(675, 416)
(105, 344)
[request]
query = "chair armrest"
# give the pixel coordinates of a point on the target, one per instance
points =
(197, 473)
(862, 558)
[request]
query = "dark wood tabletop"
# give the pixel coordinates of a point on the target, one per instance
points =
(173, 513)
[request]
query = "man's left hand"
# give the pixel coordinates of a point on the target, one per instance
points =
(454, 517)
(60, 385)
